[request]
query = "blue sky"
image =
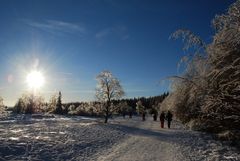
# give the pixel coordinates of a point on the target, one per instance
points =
(71, 41)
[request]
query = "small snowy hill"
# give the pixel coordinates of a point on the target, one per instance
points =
(55, 138)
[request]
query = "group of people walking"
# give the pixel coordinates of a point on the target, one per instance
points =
(167, 117)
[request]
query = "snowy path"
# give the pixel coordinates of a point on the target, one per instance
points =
(61, 138)
(147, 141)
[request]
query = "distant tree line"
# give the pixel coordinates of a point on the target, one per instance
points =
(148, 102)
(29, 104)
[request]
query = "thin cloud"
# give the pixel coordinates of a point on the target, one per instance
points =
(65, 73)
(119, 31)
(56, 26)
(103, 33)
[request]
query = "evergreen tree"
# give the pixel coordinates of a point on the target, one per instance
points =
(59, 109)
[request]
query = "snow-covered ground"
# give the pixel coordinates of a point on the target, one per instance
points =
(80, 138)
(55, 138)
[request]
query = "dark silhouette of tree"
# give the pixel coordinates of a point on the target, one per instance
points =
(59, 109)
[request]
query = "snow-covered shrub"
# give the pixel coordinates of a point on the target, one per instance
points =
(94, 108)
(2, 107)
(207, 94)
(123, 107)
(223, 96)
(82, 109)
(29, 104)
(52, 104)
(140, 108)
(72, 110)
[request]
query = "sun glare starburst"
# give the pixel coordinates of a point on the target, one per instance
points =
(35, 80)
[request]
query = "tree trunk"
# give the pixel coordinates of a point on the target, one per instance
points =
(107, 112)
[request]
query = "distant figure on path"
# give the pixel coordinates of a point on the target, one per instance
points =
(154, 113)
(169, 118)
(130, 114)
(123, 114)
(155, 117)
(162, 118)
(130, 111)
(143, 116)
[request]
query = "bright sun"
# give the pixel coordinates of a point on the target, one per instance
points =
(35, 80)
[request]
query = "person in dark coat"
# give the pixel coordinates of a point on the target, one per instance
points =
(143, 115)
(123, 114)
(130, 111)
(154, 113)
(169, 118)
(162, 118)
(155, 117)
(130, 114)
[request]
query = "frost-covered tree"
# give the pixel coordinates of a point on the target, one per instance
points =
(19, 106)
(72, 110)
(1, 105)
(123, 107)
(29, 103)
(141, 109)
(52, 104)
(108, 89)
(223, 96)
(207, 93)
